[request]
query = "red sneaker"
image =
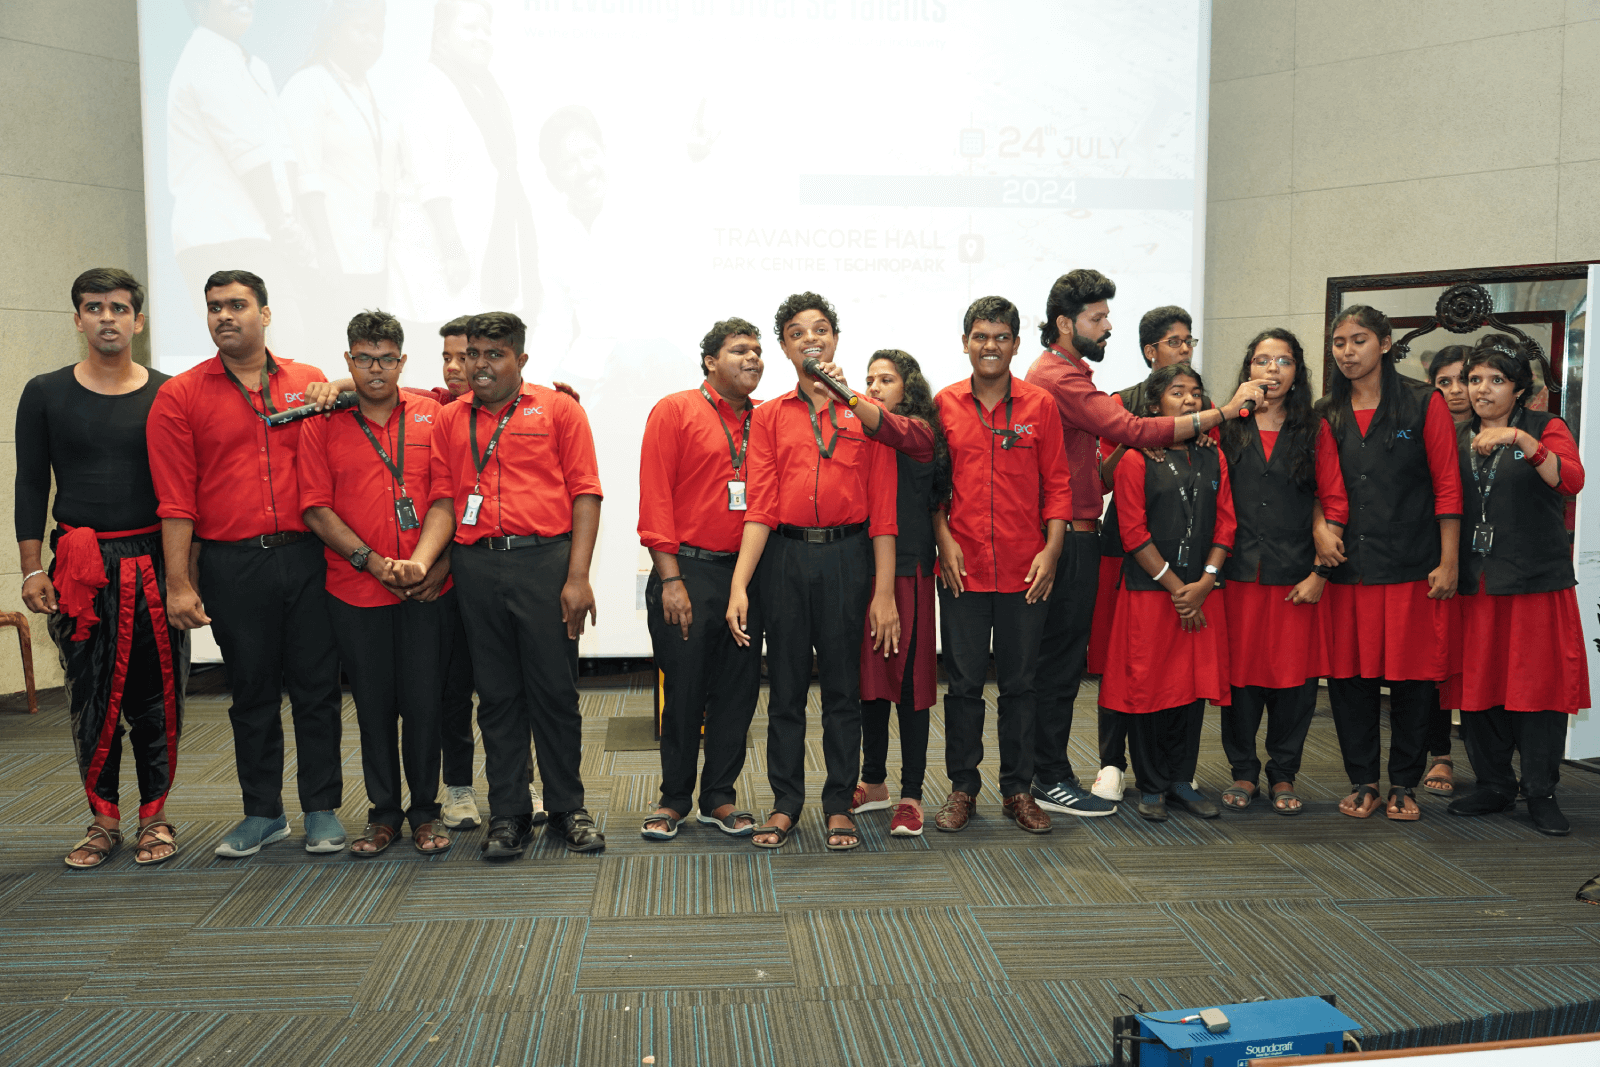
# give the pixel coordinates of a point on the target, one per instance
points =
(907, 821)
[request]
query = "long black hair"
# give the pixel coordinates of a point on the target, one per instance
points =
(1300, 421)
(1332, 405)
(917, 403)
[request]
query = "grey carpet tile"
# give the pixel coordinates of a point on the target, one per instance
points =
(680, 952)
(291, 969)
(1037, 877)
(103, 900)
(1209, 872)
(679, 885)
(861, 881)
(913, 947)
(518, 890)
(455, 964)
(1087, 942)
(1500, 936)
(1393, 869)
(364, 893)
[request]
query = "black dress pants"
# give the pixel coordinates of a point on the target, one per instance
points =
(706, 679)
(814, 596)
(391, 655)
(1540, 736)
(1063, 653)
(1355, 719)
(455, 713)
(1438, 728)
(1113, 739)
(967, 623)
(913, 730)
(526, 671)
(269, 613)
(1165, 745)
(1289, 713)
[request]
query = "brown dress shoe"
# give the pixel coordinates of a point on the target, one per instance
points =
(956, 811)
(1027, 813)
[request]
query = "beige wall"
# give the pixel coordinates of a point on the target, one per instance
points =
(1369, 136)
(71, 197)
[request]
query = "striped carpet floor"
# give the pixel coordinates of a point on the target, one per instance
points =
(991, 947)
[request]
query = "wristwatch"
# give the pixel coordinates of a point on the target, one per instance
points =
(358, 558)
(1212, 570)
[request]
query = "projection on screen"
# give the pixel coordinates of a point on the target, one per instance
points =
(623, 173)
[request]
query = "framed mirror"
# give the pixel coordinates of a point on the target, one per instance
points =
(1545, 302)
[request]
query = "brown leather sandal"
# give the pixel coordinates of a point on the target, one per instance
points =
(99, 841)
(150, 836)
(379, 834)
(426, 831)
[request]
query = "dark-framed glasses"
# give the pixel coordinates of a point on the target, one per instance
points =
(386, 362)
(1176, 343)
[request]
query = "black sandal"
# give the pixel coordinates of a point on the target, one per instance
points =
(730, 823)
(1280, 794)
(1396, 807)
(780, 832)
(1361, 793)
(842, 831)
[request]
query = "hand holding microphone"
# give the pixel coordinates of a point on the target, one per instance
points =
(813, 367)
(1250, 395)
(345, 399)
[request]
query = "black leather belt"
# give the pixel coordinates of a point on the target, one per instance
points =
(508, 544)
(277, 540)
(820, 535)
(706, 554)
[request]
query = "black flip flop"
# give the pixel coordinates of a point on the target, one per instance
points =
(730, 824)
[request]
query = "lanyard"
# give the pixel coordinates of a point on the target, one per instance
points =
(736, 455)
(374, 124)
(1485, 483)
(816, 426)
(1184, 493)
(399, 472)
(1011, 436)
(269, 367)
(482, 461)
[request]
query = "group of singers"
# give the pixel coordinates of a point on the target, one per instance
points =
(432, 542)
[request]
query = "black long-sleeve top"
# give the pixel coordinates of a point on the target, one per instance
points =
(96, 445)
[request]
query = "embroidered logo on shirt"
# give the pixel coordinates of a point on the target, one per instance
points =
(294, 398)
(533, 411)
(1403, 433)
(1022, 427)
(423, 418)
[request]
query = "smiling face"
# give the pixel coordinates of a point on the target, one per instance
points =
(495, 369)
(1182, 396)
(1492, 394)
(455, 365)
(884, 383)
(989, 347)
(1452, 383)
(238, 324)
(809, 334)
(1357, 350)
(736, 368)
(108, 321)
(376, 383)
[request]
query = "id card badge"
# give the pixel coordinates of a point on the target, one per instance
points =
(1483, 538)
(469, 517)
(1183, 556)
(736, 500)
(406, 512)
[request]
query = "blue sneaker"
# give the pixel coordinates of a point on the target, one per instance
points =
(1070, 798)
(247, 838)
(324, 833)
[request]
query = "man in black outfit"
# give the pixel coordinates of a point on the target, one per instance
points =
(104, 590)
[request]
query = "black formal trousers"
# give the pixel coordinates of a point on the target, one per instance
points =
(1540, 736)
(1288, 713)
(391, 655)
(269, 614)
(1113, 739)
(814, 597)
(455, 713)
(707, 679)
(526, 671)
(967, 623)
(1165, 745)
(1438, 728)
(1354, 702)
(1064, 652)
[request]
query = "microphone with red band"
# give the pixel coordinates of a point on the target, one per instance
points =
(1248, 408)
(813, 367)
(347, 399)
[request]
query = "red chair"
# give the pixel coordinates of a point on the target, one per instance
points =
(25, 641)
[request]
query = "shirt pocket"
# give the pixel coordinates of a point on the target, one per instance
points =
(852, 451)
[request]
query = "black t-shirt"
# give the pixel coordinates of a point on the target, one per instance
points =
(96, 445)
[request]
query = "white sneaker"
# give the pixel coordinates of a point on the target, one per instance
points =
(540, 816)
(460, 808)
(1108, 784)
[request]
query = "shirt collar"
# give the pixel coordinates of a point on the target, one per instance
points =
(214, 365)
(1074, 360)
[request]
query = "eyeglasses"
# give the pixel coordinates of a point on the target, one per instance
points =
(1264, 362)
(386, 362)
(1176, 343)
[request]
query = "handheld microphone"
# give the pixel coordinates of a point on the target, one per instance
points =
(813, 367)
(347, 399)
(1247, 409)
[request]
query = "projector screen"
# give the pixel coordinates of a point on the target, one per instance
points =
(623, 173)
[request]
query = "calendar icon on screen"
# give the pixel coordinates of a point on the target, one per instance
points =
(972, 142)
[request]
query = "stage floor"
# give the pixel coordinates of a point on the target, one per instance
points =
(991, 946)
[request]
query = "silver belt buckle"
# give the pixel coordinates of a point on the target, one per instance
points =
(816, 536)
(499, 544)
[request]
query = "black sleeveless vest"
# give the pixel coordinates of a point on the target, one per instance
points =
(1392, 536)
(1273, 544)
(1531, 552)
(1167, 515)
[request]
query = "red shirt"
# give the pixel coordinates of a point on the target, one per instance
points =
(543, 461)
(685, 465)
(339, 469)
(1002, 497)
(438, 393)
(1129, 487)
(792, 483)
(214, 459)
(1087, 414)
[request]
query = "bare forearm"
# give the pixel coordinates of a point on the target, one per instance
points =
(883, 560)
(1150, 559)
(177, 536)
(31, 554)
(585, 528)
(1449, 542)
(751, 545)
(1055, 535)
(332, 530)
(666, 563)
(438, 527)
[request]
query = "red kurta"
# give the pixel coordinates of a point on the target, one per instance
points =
(1151, 662)
(1395, 631)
